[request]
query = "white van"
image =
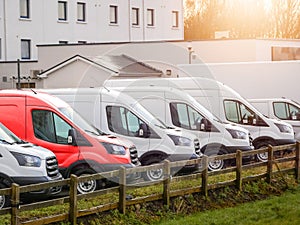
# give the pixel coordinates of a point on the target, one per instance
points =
(227, 105)
(177, 108)
(119, 114)
(280, 108)
(24, 163)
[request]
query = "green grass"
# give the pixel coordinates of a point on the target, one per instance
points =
(278, 210)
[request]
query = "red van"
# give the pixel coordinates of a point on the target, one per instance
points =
(80, 148)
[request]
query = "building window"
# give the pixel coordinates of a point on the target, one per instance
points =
(24, 9)
(63, 42)
(81, 11)
(113, 14)
(150, 17)
(25, 49)
(28, 85)
(175, 19)
(135, 16)
(62, 10)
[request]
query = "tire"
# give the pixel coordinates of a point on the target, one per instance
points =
(216, 165)
(153, 175)
(4, 199)
(88, 186)
(263, 157)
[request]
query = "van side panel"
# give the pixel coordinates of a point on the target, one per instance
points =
(10, 109)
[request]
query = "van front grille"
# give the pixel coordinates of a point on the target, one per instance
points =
(134, 155)
(197, 146)
(52, 167)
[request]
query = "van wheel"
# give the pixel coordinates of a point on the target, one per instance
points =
(155, 174)
(87, 186)
(4, 199)
(263, 157)
(216, 164)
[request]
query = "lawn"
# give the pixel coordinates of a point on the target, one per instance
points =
(276, 210)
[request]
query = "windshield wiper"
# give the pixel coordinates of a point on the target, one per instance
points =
(92, 132)
(6, 142)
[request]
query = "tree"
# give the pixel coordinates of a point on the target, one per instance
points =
(243, 19)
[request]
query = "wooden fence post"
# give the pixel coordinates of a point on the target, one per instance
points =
(122, 190)
(15, 203)
(239, 162)
(73, 200)
(270, 164)
(166, 183)
(297, 163)
(205, 175)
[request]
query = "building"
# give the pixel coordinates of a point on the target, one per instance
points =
(24, 24)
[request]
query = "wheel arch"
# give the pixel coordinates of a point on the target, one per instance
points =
(154, 153)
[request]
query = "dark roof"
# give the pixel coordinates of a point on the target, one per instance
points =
(128, 66)
(122, 65)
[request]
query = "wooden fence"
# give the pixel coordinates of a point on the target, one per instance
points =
(271, 167)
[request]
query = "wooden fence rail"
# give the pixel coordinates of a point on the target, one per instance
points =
(167, 193)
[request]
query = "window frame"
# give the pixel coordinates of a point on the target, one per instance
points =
(28, 49)
(135, 16)
(26, 9)
(113, 19)
(287, 108)
(189, 110)
(81, 10)
(65, 11)
(150, 17)
(175, 19)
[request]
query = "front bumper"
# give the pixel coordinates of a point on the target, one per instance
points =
(285, 141)
(22, 181)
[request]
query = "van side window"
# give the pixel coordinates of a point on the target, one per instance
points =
(185, 116)
(237, 112)
(50, 127)
(122, 121)
(280, 110)
(286, 111)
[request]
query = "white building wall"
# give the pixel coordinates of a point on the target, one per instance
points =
(43, 26)
(2, 51)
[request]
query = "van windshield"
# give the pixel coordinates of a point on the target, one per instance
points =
(7, 136)
(148, 117)
(71, 114)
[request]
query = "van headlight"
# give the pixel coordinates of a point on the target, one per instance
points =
(27, 160)
(181, 141)
(284, 128)
(114, 149)
(237, 134)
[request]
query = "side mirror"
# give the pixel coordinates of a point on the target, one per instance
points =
(72, 136)
(295, 115)
(251, 120)
(204, 125)
(143, 130)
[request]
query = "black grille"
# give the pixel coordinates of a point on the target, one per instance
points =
(134, 155)
(197, 146)
(52, 167)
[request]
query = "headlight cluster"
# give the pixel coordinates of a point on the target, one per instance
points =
(114, 149)
(181, 141)
(236, 134)
(284, 128)
(27, 160)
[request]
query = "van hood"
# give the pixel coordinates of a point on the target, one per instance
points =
(30, 149)
(235, 127)
(115, 140)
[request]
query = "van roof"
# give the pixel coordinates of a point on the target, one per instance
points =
(52, 100)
